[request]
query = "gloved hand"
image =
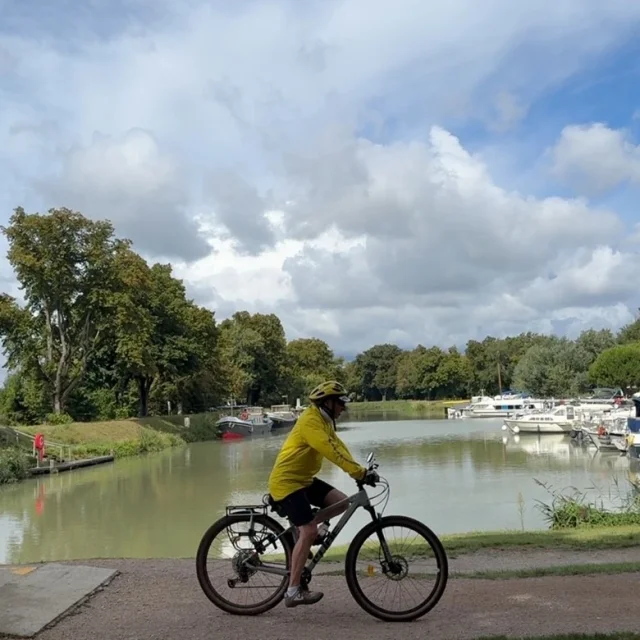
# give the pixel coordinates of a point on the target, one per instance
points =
(371, 477)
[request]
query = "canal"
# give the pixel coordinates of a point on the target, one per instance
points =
(456, 476)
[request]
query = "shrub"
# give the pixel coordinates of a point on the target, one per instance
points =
(58, 418)
(14, 465)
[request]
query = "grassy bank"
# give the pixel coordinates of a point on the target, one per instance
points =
(87, 439)
(571, 539)
(405, 408)
(127, 437)
(90, 439)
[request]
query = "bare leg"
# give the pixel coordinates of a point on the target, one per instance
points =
(306, 535)
(335, 504)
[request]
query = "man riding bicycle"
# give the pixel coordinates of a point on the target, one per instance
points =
(293, 486)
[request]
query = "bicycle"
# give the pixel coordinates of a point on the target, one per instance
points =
(247, 563)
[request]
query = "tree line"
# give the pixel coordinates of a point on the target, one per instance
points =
(101, 334)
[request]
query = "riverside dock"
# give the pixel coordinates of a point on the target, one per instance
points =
(70, 464)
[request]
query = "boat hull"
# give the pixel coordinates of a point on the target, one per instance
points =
(283, 423)
(234, 428)
(531, 426)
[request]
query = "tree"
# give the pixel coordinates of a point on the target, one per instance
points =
(630, 332)
(377, 369)
(254, 353)
(160, 337)
(309, 362)
(556, 368)
(618, 366)
(65, 266)
(595, 342)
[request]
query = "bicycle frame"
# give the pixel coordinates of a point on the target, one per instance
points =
(359, 499)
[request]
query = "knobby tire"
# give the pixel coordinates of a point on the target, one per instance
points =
(201, 564)
(438, 550)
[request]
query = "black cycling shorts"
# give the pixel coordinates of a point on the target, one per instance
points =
(297, 505)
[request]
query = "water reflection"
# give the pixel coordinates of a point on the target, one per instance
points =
(454, 475)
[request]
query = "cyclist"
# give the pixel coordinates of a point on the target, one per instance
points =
(294, 487)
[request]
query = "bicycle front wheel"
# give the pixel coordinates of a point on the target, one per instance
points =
(235, 547)
(369, 575)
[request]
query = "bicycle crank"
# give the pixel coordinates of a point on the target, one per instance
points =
(305, 577)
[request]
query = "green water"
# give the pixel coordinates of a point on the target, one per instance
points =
(454, 475)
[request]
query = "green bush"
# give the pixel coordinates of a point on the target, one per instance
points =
(58, 418)
(14, 465)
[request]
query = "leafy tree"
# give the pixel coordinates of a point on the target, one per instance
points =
(556, 368)
(309, 362)
(65, 266)
(595, 342)
(377, 368)
(618, 366)
(630, 332)
(254, 356)
(160, 336)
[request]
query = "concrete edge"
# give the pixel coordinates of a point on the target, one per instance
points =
(75, 606)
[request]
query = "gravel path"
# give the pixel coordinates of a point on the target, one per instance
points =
(158, 599)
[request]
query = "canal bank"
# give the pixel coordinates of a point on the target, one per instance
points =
(82, 444)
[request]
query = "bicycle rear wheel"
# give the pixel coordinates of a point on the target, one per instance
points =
(364, 575)
(235, 546)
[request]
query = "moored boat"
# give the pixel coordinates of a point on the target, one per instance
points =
(562, 419)
(282, 416)
(251, 422)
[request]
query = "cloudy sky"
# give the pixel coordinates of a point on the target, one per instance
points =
(370, 170)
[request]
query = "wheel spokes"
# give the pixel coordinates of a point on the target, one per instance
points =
(233, 565)
(407, 580)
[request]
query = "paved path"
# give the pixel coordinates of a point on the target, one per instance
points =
(158, 599)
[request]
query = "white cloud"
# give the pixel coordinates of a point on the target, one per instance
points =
(230, 140)
(594, 158)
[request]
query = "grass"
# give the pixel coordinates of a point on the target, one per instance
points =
(586, 539)
(602, 568)
(123, 437)
(571, 539)
(405, 407)
(572, 510)
(616, 635)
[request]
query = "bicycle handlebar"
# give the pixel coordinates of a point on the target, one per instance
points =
(371, 466)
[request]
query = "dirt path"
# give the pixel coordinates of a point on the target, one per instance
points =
(158, 599)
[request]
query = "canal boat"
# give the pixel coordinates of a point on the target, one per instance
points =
(501, 406)
(282, 416)
(252, 421)
(562, 419)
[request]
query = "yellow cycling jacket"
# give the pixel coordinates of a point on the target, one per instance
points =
(300, 459)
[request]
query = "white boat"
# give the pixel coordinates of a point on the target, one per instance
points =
(601, 399)
(282, 416)
(501, 406)
(562, 419)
